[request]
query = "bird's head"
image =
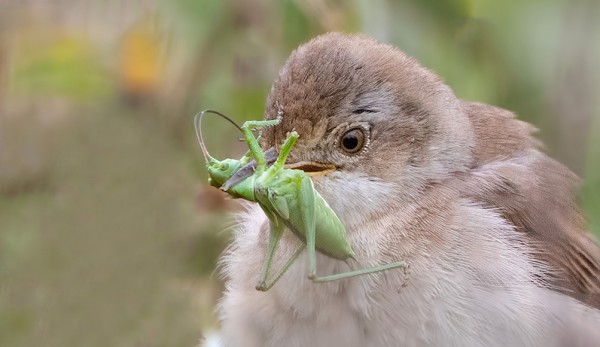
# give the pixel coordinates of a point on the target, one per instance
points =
(375, 127)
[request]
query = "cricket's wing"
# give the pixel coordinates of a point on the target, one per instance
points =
(314, 212)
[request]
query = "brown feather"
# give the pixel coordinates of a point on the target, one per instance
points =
(535, 193)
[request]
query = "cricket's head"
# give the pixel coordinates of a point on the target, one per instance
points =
(377, 124)
(219, 171)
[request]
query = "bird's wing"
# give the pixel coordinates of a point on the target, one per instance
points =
(536, 194)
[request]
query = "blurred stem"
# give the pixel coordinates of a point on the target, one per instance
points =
(204, 57)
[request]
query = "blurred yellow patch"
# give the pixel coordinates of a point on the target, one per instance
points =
(140, 63)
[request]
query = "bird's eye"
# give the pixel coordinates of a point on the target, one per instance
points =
(353, 141)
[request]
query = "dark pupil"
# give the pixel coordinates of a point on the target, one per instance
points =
(350, 141)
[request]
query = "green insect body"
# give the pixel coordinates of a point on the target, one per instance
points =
(288, 199)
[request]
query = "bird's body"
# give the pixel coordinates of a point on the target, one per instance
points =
(458, 190)
(477, 293)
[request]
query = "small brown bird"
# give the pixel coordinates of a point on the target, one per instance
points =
(497, 246)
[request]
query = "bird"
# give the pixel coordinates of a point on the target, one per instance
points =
(461, 191)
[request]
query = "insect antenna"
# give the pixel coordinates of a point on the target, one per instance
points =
(198, 126)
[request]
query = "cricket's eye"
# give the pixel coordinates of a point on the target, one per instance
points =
(224, 167)
(353, 140)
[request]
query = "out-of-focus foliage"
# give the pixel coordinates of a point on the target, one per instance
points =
(108, 233)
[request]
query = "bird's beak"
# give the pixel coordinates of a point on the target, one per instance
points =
(312, 168)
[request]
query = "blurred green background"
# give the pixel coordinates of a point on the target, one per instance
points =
(108, 232)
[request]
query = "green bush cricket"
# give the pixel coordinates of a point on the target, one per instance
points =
(288, 199)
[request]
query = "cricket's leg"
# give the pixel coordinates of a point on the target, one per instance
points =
(251, 124)
(306, 195)
(276, 230)
(255, 149)
(268, 284)
(285, 150)
(307, 205)
(369, 270)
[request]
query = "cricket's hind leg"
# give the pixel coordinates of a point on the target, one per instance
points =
(365, 271)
